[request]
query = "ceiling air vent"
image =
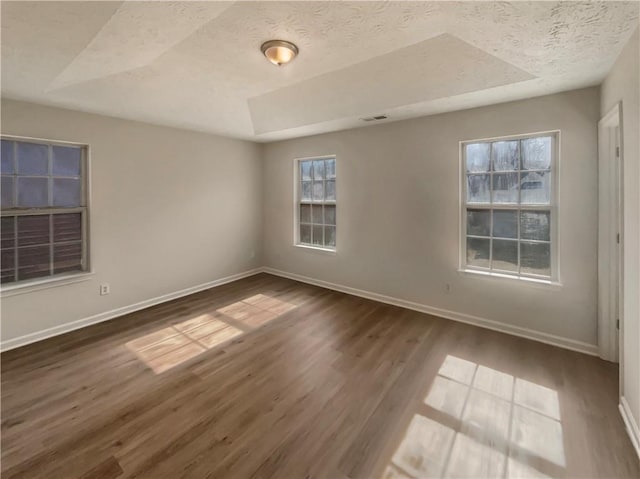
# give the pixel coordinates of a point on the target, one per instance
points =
(375, 118)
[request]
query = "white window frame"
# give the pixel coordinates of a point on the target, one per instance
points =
(59, 279)
(297, 202)
(554, 236)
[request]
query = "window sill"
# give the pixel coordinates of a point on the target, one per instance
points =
(316, 248)
(45, 283)
(533, 282)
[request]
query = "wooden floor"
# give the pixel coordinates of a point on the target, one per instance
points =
(270, 378)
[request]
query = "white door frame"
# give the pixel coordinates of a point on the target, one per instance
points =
(610, 237)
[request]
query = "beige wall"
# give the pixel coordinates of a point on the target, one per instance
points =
(398, 207)
(170, 209)
(622, 84)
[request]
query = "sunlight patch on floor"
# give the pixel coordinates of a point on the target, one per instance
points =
(166, 348)
(425, 448)
(476, 421)
(256, 310)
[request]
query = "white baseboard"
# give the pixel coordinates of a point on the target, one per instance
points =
(423, 308)
(631, 425)
(554, 340)
(114, 313)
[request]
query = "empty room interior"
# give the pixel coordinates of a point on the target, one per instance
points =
(320, 239)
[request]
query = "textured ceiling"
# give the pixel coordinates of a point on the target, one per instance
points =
(198, 65)
(411, 74)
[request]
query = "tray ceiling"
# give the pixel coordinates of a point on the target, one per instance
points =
(198, 65)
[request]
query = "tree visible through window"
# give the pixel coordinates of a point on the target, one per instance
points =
(507, 209)
(317, 202)
(43, 210)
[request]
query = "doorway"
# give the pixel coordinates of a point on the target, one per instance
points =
(610, 238)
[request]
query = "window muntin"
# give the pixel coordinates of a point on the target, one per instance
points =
(316, 202)
(508, 217)
(44, 212)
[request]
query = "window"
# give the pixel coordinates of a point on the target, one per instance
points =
(508, 215)
(44, 209)
(316, 202)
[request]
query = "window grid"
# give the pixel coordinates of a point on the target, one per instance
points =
(50, 176)
(316, 191)
(16, 211)
(323, 223)
(491, 207)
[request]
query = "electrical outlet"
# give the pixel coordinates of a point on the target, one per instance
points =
(105, 289)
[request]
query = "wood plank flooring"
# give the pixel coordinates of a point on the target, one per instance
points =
(270, 378)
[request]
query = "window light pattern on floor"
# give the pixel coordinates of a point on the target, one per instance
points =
(188, 338)
(480, 422)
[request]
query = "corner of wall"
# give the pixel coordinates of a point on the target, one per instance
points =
(622, 84)
(262, 236)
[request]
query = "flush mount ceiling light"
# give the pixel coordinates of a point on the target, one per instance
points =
(279, 52)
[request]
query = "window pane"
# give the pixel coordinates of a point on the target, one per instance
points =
(330, 193)
(317, 189)
(318, 193)
(67, 257)
(329, 215)
(66, 192)
(7, 232)
(534, 225)
(317, 235)
(505, 155)
(505, 188)
(536, 153)
(318, 169)
(535, 258)
(478, 188)
(306, 191)
(305, 213)
(67, 227)
(6, 157)
(477, 155)
(505, 255)
(33, 230)
(33, 262)
(330, 168)
(505, 224)
(330, 235)
(33, 192)
(504, 174)
(33, 158)
(7, 192)
(316, 214)
(305, 170)
(66, 161)
(535, 188)
(478, 222)
(478, 252)
(305, 234)
(7, 265)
